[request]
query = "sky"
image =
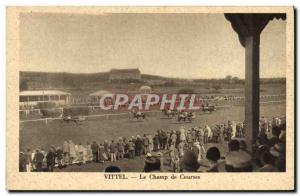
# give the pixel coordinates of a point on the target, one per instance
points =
(172, 45)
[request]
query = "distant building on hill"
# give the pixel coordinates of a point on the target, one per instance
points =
(125, 74)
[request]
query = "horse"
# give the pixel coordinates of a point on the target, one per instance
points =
(139, 115)
(72, 119)
(208, 108)
(186, 116)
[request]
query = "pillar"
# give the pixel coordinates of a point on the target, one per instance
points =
(252, 87)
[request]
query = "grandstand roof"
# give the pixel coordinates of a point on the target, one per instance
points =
(100, 93)
(42, 92)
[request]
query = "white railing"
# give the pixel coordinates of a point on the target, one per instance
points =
(86, 116)
(92, 108)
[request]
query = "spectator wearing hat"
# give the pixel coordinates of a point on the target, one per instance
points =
(121, 149)
(138, 146)
(156, 142)
(173, 154)
(102, 155)
(95, 148)
(89, 153)
(146, 144)
(243, 146)
(194, 134)
(59, 157)
(38, 161)
(278, 151)
(276, 128)
(66, 152)
(153, 162)
(263, 125)
(199, 150)
(44, 164)
(131, 149)
(237, 160)
(113, 149)
(28, 160)
(151, 146)
(213, 156)
(72, 152)
(189, 163)
(200, 135)
(258, 154)
(81, 153)
(106, 147)
(161, 139)
(181, 149)
(50, 158)
(268, 163)
(173, 138)
(189, 139)
(182, 135)
(126, 150)
(164, 138)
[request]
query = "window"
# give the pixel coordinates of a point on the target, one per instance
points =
(63, 97)
(33, 98)
(54, 98)
(23, 98)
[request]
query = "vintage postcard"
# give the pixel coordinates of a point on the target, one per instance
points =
(150, 98)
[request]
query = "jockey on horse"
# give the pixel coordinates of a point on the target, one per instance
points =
(138, 114)
(168, 112)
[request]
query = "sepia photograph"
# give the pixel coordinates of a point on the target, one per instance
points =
(163, 95)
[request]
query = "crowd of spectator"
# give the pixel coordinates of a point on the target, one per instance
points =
(180, 150)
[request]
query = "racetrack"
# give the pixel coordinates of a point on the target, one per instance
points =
(41, 135)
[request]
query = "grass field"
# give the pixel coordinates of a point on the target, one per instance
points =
(55, 132)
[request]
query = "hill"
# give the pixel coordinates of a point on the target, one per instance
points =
(92, 81)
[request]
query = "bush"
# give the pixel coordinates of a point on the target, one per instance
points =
(76, 111)
(46, 105)
(51, 113)
(217, 87)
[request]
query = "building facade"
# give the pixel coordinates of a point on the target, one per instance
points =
(33, 98)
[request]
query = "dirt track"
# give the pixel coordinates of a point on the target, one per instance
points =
(41, 135)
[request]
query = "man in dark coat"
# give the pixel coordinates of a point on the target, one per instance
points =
(156, 142)
(95, 149)
(50, 159)
(164, 140)
(161, 139)
(60, 156)
(138, 146)
(38, 160)
(22, 162)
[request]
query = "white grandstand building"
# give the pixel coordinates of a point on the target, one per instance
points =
(34, 97)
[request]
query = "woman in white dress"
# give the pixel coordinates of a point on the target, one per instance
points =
(72, 151)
